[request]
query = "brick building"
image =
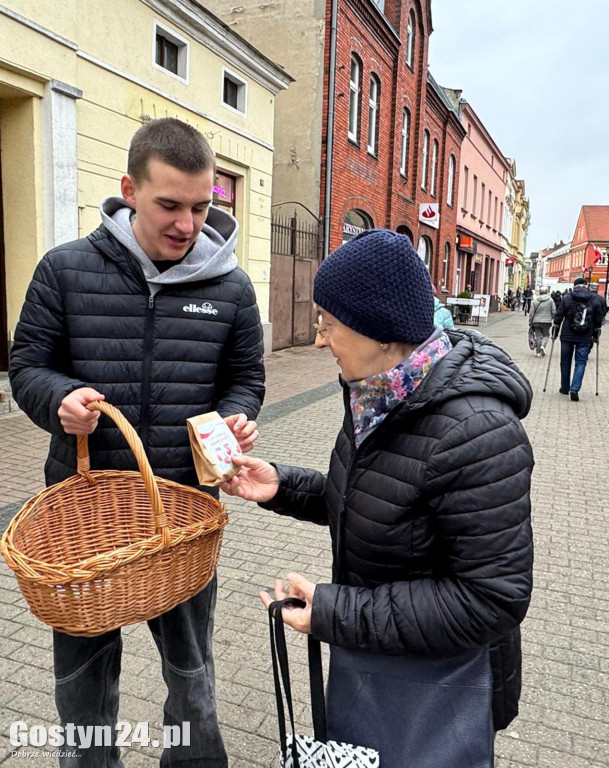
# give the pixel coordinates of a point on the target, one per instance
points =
(364, 136)
(396, 136)
(590, 244)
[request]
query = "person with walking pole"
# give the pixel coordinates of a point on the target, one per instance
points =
(581, 319)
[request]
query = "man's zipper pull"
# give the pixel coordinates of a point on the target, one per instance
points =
(150, 302)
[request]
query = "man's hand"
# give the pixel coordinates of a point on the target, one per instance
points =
(297, 618)
(73, 414)
(245, 432)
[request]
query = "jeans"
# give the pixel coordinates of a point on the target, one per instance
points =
(542, 335)
(582, 350)
(87, 673)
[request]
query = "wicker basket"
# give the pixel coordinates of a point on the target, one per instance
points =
(104, 549)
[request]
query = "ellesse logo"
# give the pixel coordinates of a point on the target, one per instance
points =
(204, 309)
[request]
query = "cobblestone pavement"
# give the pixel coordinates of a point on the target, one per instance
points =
(564, 720)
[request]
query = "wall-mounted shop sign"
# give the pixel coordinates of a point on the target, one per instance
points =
(467, 243)
(429, 213)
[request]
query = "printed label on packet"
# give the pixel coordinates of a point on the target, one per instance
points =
(213, 447)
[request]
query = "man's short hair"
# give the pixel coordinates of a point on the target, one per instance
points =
(593, 286)
(543, 290)
(171, 141)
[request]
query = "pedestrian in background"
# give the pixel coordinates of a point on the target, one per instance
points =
(427, 499)
(600, 300)
(579, 318)
(527, 298)
(442, 315)
(540, 320)
(109, 316)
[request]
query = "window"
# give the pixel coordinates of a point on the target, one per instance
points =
(482, 201)
(434, 167)
(495, 216)
(501, 217)
(405, 143)
(445, 265)
(450, 192)
(224, 191)
(465, 185)
(490, 203)
(410, 39)
(170, 52)
(424, 250)
(425, 159)
(356, 69)
(234, 91)
(355, 223)
(373, 114)
(474, 194)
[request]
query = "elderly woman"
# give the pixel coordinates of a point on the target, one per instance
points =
(427, 500)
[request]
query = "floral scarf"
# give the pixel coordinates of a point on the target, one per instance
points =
(372, 398)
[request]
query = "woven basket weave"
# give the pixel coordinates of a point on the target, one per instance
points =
(107, 548)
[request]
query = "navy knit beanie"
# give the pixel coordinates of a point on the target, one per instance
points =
(377, 284)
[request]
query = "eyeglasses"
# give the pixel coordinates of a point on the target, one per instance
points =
(322, 330)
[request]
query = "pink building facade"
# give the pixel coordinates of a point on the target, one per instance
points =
(482, 183)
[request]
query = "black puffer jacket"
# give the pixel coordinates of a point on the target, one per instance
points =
(89, 320)
(430, 520)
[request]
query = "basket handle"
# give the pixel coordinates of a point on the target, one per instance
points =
(83, 467)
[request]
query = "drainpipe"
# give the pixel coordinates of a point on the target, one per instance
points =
(330, 126)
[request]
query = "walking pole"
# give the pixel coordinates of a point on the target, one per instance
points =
(545, 384)
(597, 343)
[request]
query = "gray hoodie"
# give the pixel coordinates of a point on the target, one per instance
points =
(211, 256)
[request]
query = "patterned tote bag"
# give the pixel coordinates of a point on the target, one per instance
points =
(297, 750)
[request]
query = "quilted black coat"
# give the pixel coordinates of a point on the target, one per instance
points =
(89, 320)
(430, 520)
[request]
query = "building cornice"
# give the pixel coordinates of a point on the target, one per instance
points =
(4, 11)
(377, 23)
(210, 31)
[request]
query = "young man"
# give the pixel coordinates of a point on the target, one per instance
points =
(581, 319)
(151, 313)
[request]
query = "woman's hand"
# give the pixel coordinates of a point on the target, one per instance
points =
(245, 432)
(297, 618)
(257, 480)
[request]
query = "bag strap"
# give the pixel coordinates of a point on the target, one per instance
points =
(316, 681)
(281, 673)
(281, 676)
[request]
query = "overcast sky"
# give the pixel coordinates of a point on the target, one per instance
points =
(537, 74)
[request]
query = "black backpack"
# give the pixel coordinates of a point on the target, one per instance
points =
(582, 321)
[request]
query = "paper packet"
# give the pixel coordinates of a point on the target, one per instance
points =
(213, 446)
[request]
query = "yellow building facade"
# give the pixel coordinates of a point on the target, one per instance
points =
(78, 77)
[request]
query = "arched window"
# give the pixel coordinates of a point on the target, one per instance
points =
(425, 160)
(404, 230)
(445, 265)
(434, 167)
(405, 151)
(356, 221)
(373, 114)
(410, 39)
(354, 90)
(424, 250)
(450, 192)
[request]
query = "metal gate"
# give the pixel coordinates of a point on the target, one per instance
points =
(296, 250)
